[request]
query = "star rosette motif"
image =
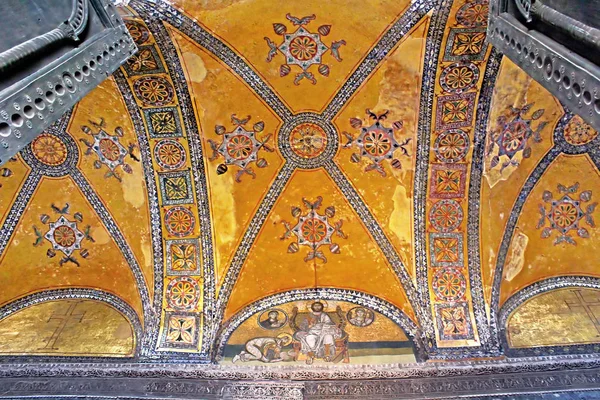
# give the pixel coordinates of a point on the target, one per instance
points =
(376, 142)
(313, 230)
(566, 213)
(108, 149)
(240, 147)
(513, 136)
(303, 48)
(64, 235)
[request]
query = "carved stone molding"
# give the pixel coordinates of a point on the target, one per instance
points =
(529, 385)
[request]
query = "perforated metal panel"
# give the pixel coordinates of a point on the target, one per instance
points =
(557, 42)
(52, 53)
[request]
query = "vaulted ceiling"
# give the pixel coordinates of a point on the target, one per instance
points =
(257, 156)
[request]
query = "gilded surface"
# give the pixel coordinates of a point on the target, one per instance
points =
(557, 318)
(545, 256)
(295, 333)
(67, 327)
(253, 150)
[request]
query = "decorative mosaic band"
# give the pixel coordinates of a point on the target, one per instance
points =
(151, 334)
(160, 116)
(198, 175)
(453, 291)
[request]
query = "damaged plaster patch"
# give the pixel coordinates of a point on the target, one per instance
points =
(400, 219)
(100, 235)
(516, 258)
(134, 191)
(196, 68)
(224, 210)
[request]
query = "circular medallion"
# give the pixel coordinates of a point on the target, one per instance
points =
(578, 133)
(459, 77)
(451, 146)
(49, 150)
(377, 142)
(139, 33)
(154, 91)
(303, 48)
(473, 14)
(64, 236)
(513, 137)
(179, 221)
(109, 149)
(360, 317)
(169, 154)
(183, 294)
(449, 284)
(239, 147)
(272, 319)
(314, 230)
(564, 215)
(446, 215)
(308, 140)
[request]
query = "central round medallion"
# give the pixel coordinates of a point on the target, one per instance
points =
(303, 48)
(109, 149)
(578, 133)
(308, 140)
(49, 150)
(240, 147)
(64, 236)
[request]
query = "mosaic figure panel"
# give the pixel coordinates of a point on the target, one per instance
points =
(319, 332)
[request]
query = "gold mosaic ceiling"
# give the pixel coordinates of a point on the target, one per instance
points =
(256, 158)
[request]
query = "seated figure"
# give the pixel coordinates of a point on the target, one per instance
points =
(319, 336)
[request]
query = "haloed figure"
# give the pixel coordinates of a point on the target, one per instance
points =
(317, 334)
(273, 321)
(266, 349)
(361, 318)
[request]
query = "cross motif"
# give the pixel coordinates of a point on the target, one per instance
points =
(587, 307)
(63, 319)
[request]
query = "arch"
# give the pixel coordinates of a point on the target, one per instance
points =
(351, 296)
(560, 147)
(73, 294)
(536, 289)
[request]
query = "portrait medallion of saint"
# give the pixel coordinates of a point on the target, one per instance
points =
(360, 317)
(273, 318)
